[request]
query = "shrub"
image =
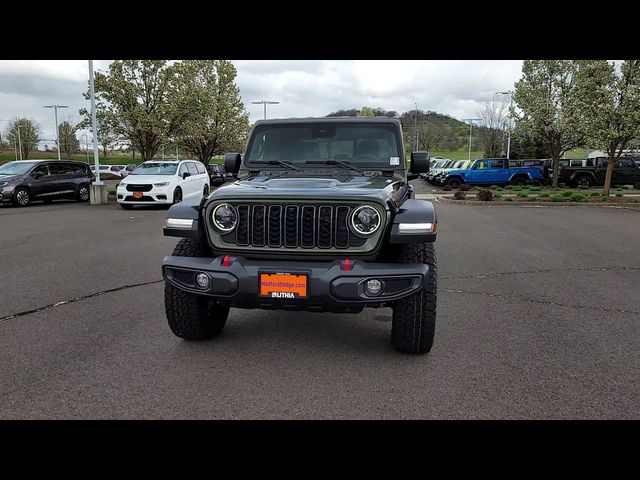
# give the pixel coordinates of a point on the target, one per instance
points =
(619, 189)
(465, 187)
(497, 195)
(494, 187)
(594, 194)
(478, 189)
(485, 195)
(619, 194)
(578, 197)
(111, 191)
(583, 187)
(544, 194)
(566, 193)
(556, 198)
(508, 199)
(604, 198)
(523, 194)
(535, 189)
(459, 195)
(509, 187)
(447, 188)
(517, 187)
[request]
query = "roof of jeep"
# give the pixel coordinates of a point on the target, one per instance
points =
(280, 121)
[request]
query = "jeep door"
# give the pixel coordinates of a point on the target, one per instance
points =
(626, 172)
(479, 173)
(499, 171)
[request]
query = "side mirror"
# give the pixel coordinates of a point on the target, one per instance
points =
(232, 162)
(420, 162)
(38, 174)
(185, 175)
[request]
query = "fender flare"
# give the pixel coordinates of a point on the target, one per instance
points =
(186, 210)
(415, 222)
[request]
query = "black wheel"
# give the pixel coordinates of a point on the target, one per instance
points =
(21, 197)
(82, 195)
(177, 195)
(205, 191)
(414, 318)
(191, 316)
(453, 182)
(126, 206)
(584, 181)
(519, 181)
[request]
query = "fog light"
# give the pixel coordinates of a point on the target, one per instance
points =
(202, 279)
(373, 287)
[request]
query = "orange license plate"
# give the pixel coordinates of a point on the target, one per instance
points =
(137, 194)
(283, 285)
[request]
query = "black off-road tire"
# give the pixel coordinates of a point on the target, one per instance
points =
(414, 318)
(453, 182)
(192, 316)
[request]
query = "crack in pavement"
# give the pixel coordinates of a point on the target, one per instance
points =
(539, 302)
(548, 270)
(77, 299)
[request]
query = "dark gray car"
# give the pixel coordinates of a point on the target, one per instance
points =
(24, 181)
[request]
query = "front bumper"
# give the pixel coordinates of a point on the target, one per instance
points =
(156, 195)
(329, 287)
(6, 194)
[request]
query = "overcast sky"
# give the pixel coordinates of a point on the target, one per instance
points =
(304, 88)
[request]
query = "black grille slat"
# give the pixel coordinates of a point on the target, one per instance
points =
(291, 226)
(325, 226)
(308, 229)
(138, 188)
(259, 225)
(275, 226)
(242, 230)
(322, 226)
(342, 230)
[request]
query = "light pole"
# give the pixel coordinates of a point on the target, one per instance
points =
(510, 93)
(470, 130)
(265, 102)
(55, 109)
(19, 141)
(86, 145)
(416, 125)
(94, 122)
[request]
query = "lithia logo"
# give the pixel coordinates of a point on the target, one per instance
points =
(282, 295)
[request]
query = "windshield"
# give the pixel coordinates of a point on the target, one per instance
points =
(155, 169)
(355, 143)
(16, 168)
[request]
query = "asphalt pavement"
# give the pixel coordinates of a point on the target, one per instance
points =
(538, 317)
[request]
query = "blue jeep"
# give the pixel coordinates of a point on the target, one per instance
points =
(494, 171)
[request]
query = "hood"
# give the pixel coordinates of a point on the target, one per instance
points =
(149, 178)
(306, 186)
(5, 178)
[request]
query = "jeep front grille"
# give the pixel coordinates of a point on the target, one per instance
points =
(293, 226)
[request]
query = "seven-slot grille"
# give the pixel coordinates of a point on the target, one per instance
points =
(293, 226)
(138, 188)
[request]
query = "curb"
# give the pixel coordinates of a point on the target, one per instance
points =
(452, 201)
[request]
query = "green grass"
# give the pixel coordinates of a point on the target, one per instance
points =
(578, 197)
(556, 198)
(523, 194)
(567, 193)
(544, 194)
(535, 189)
(112, 159)
(594, 194)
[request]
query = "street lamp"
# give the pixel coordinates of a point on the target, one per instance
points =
(55, 109)
(510, 93)
(416, 125)
(470, 130)
(265, 102)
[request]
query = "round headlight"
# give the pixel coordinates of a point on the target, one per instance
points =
(224, 217)
(365, 220)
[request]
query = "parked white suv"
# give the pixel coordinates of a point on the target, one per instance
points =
(163, 182)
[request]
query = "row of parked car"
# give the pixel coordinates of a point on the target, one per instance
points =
(499, 171)
(152, 182)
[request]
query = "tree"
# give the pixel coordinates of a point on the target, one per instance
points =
(138, 101)
(24, 132)
(428, 138)
(525, 145)
(67, 137)
(609, 103)
(108, 139)
(546, 97)
(366, 112)
(492, 115)
(217, 120)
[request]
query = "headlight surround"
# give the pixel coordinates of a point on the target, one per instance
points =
(224, 217)
(162, 184)
(365, 220)
(122, 185)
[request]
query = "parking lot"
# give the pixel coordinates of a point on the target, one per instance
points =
(538, 317)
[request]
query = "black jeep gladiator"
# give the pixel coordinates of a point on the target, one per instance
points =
(592, 171)
(320, 218)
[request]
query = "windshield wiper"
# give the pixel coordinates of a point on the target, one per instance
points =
(280, 162)
(336, 162)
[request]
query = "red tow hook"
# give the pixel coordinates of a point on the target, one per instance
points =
(346, 264)
(226, 261)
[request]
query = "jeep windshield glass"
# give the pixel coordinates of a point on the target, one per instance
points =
(155, 169)
(16, 168)
(306, 145)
